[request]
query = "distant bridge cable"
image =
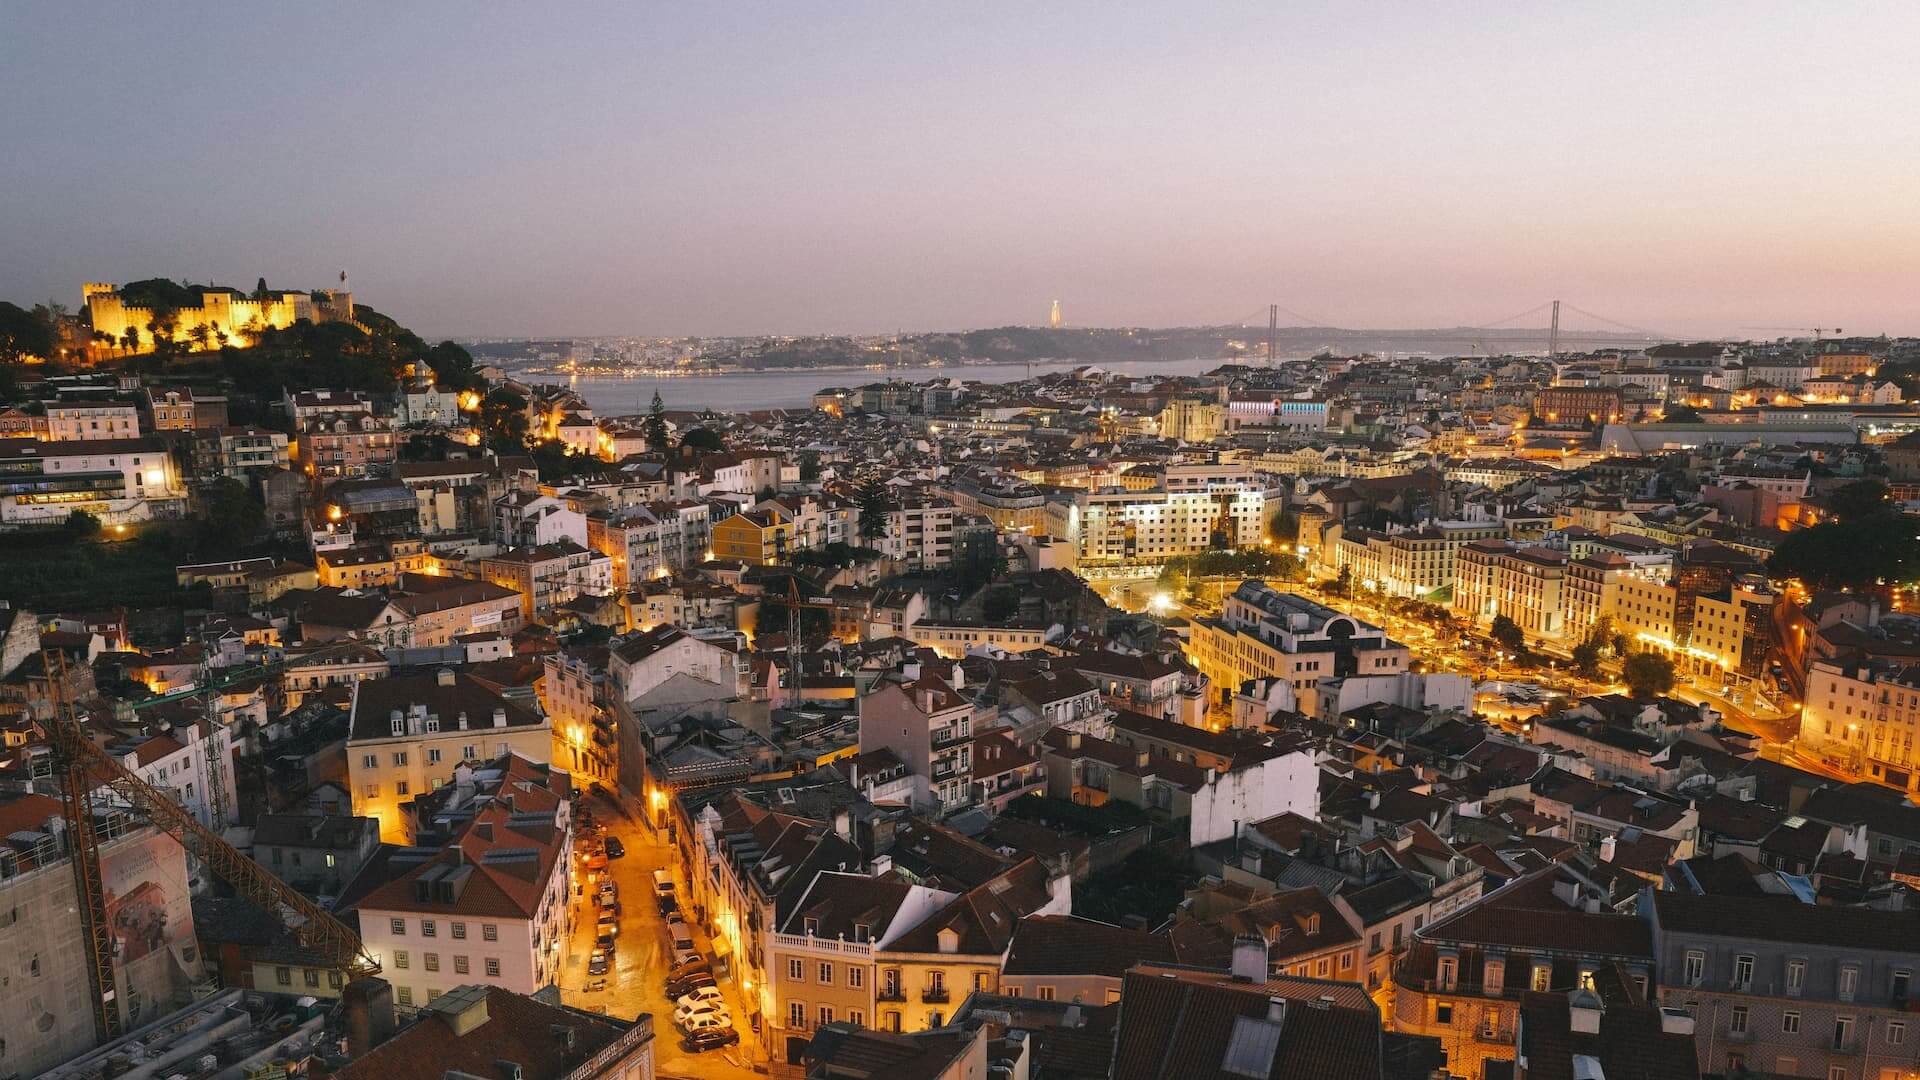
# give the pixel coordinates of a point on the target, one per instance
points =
(1615, 322)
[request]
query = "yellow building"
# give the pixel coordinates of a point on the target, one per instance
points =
(1492, 578)
(1192, 421)
(760, 537)
(222, 311)
(1263, 633)
(409, 733)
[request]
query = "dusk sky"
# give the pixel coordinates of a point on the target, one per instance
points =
(486, 169)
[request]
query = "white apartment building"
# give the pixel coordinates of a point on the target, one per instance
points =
(919, 533)
(194, 764)
(929, 726)
(490, 907)
(1115, 526)
(73, 421)
(117, 480)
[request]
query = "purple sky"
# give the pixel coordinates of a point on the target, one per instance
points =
(735, 168)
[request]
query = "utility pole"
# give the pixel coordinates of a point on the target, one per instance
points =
(1553, 334)
(1273, 331)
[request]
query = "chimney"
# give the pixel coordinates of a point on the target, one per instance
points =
(1373, 800)
(1249, 959)
(499, 718)
(959, 679)
(1608, 845)
(1277, 1009)
(368, 1006)
(1583, 1012)
(444, 677)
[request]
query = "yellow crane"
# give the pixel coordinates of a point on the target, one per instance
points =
(85, 770)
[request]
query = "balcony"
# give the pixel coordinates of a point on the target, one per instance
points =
(934, 995)
(824, 945)
(891, 993)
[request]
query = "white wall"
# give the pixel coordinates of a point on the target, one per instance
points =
(1275, 786)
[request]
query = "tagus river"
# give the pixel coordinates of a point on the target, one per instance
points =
(616, 396)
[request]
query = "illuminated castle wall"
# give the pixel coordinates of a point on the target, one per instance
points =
(234, 313)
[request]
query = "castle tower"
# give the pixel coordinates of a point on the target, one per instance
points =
(1053, 317)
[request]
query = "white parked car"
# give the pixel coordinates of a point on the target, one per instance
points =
(701, 1017)
(701, 995)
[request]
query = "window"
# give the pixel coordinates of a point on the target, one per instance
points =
(1738, 1023)
(856, 976)
(489, 932)
(400, 788)
(797, 1014)
(1542, 977)
(404, 995)
(333, 980)
(467, 752)
(1901, 980)
(283, 976)
(493, 966)
(936, 980)
(433, 757)
(426, 928)
(1449, 967)
(312, 976)
(826, 973)
(797, 970)
(398, 926)
(460, 930)
(1842, 1032)
(1046, 993)
(1443, 1012)
(1849, 982)
(433, 961)
(371, 791)
(370, 761)
(400, 959)
(826, 1014)
(1346, 961)
(1796, 977)
(1490, 1022)
(856, 1018)
(1896, 1032)
(460, 965)
(1790, 1023)
(1743, 971)
(893, 1021)
(400, 757)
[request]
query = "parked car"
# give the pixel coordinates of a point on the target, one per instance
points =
(615, 848)
(598, 963)
(684, 1015)
(706, 1021)
(706, 1039)
(607, 924)
(604, 943)
(700, 995)
(679, 988)
(669, 906)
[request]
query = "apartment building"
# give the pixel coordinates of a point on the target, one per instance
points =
(1262, 633)
(631, 538)
(409, 733)
(117, 480)
(489, 907)
(927, 724)
(1464, 977)
(348, 446)
(572, 688)
(1012, 504)
(1628, 589)
(1785, 988)
(920, 533)
(756, 537)
(1413, 562)
(92, 420)
(548, 575)
(441, 610)
(1492, 578)
(193, 763)
(237, 451)
(1117, 526)
(1862, 715)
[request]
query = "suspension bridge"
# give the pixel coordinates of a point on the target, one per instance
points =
(1550, 333)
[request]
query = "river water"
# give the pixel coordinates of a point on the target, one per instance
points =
(617, 396)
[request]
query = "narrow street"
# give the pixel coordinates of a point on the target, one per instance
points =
(635, 984)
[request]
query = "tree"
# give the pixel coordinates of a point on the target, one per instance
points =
(1681, 414)
(876, 502)
(233, 515)
(809, 466)
(1508, 634)
(1284, 527)
(259, 289)
(703, 439)
(503, 415)
(1586, 659)
(22, 334)
(1858, 500)
(657, 437)
(1850, 554)
(1647, 674)
(1000, 604)
(1342, 582)
(80, 525)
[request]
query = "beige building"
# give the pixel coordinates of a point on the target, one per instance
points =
(1263, 633)
(1492, 578)
(408, 733)
(1412, 563)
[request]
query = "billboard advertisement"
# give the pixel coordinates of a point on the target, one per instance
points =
(150, 910)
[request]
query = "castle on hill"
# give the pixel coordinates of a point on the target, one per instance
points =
(120, 326)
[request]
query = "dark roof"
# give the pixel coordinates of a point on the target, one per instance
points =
(1201, 1025)
(1785, 919)
(1066, 945)
(446, 700)
(516, 1028)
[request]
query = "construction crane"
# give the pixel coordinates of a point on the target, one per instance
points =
(1816, 331)
(84, 769)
